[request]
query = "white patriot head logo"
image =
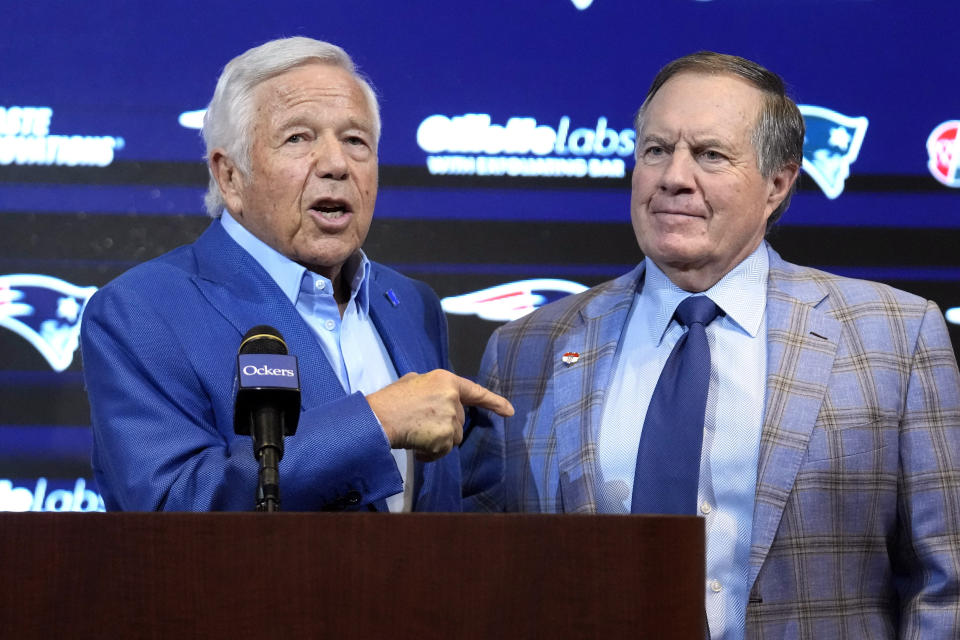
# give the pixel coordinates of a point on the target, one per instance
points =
(46, 312)
(831, 145)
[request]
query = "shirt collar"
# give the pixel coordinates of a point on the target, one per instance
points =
(742, 294)
(289, 275)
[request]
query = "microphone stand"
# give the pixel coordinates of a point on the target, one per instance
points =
(268, 447)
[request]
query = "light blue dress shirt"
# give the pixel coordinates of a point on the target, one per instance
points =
(351, 342)
(734, 416)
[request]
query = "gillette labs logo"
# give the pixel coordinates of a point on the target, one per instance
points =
(80, 498)
(25, 139)
(472, 144)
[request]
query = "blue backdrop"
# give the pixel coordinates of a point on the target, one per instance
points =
(505, 156)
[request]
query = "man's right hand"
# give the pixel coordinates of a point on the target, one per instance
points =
(424, 412)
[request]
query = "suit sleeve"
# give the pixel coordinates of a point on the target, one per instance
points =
(927, 565)
(163, 423)
(482, 453)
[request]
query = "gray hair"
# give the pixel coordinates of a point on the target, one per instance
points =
(778, 134)
(228, 121)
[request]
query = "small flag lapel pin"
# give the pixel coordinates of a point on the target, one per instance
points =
(392, 297)
(570, 357)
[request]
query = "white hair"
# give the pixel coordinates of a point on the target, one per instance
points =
(228, 121)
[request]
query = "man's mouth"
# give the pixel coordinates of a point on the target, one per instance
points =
(672, 211)
(330, 208)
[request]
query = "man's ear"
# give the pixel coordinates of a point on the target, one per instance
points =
(780, 183)
(229, 179)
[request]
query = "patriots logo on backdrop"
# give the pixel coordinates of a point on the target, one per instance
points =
(46, 312)
(510, 301)
(831, 145)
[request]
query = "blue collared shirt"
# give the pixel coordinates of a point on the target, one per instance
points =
(351, 342)
(734, 415)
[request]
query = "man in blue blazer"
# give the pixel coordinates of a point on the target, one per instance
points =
(829, 479)
(291, 136)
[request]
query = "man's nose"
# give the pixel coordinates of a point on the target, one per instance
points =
(330, 161)
(678, 173)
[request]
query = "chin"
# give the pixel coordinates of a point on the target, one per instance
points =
(676, 251)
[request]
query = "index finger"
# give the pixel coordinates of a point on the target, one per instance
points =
(474, 395)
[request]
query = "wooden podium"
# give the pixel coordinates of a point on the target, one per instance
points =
(299, 575)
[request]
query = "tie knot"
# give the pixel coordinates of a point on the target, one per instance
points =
(697, 309)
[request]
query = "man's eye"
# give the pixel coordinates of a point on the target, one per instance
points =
(356, 140)
(297, 137)
(654, 151)
(712, 156)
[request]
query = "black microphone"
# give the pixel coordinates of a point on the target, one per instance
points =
(267, 405)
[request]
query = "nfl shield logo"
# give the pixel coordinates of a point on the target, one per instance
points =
(943, 147)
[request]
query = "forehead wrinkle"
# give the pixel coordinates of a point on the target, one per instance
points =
(295, 105)
(748, 114)
(297, 93)
(300, 99)
(285, 89)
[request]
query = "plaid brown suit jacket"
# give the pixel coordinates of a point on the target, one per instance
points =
(857, 515)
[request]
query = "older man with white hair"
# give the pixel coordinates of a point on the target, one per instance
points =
(291, 135)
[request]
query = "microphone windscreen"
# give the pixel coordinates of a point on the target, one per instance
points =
(263, 339)
(267, 377)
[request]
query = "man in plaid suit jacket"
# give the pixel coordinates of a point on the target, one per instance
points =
(853, 509)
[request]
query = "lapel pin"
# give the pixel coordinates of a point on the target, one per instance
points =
(570, 357)
(392, 297)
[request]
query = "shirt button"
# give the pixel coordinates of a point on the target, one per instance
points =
(330, 324)
(715, 586)
(705, 507)
(320, 284)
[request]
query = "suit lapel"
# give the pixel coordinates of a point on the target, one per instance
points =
(245, 295)
(580, 388)
(801, 346)
(394, 325)
(404, 343)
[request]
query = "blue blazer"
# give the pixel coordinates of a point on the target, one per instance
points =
(159, 348)
(856, 527)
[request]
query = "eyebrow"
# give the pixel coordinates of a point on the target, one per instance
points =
(656, 140)
(363, 125)
(697, 143)
(703, 143)
(300, 120)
